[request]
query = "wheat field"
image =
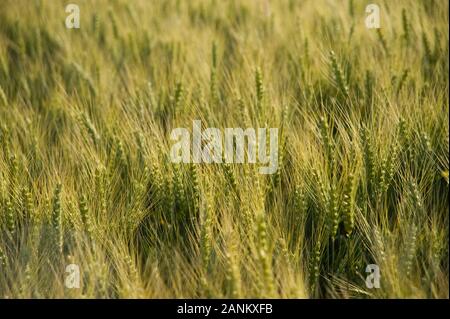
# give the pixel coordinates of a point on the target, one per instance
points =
(86, 179)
